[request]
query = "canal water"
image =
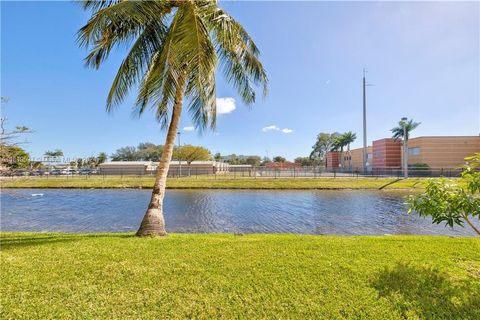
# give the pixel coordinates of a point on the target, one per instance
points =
(235, 211)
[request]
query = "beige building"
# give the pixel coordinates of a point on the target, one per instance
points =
(196, 167)
(354, 158)
(442, 152)
(125, 167)
(149, 168)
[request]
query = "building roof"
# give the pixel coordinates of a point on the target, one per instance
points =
(151, 163)
(445, 137)
(126, 163)
(176, 162)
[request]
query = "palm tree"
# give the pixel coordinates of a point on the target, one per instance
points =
(347, 138)
(398, 132)
(339, 144)
(403, 130)
(174, 50)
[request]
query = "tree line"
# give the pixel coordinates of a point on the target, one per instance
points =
(148, 151)
(331, 142)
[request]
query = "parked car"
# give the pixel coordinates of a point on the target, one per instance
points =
(85, 171)
(6, 173)
(20, 173)
(56, 172)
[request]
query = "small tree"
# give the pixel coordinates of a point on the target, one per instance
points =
(149, 151)
(126, 154)
(14, 158)
(191, 153)
(101, 158)
(452, 203)
(9, 142)
(279, 159)
(54, 154)
(307, 161)
(265, 160)
(253, 160)
(323, 144)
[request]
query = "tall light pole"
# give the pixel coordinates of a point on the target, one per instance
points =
(365, 154)
(179, 160)
(405, 148)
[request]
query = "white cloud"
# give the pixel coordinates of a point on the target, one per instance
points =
(225, 105)
(269, 128)
(191, 128)
(327, 82)
(275, 128)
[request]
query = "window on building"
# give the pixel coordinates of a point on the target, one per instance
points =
(413, 151)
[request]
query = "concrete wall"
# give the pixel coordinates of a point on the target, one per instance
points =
(354, 159)
(442, 152)
(197, 167)
(333, 159)
(149, 168)
(387, 153)
(123, 167)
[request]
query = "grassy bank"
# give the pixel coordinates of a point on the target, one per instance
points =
(251, 276)
(215, 183)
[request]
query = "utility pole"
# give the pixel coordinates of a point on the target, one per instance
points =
(365, 154)
(405, 148)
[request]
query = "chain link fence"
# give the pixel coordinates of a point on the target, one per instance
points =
(245, 172)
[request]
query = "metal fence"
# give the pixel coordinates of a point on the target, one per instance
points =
(254, 173)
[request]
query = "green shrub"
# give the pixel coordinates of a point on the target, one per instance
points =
(449, 202)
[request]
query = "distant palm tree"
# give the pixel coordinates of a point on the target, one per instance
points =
(338, 144)
(174, 50)
(347, 138)
(398, 132)
(402, 131)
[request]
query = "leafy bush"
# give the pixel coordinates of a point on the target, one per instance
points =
(446, 201)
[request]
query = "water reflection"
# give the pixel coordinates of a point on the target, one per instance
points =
(312, 212)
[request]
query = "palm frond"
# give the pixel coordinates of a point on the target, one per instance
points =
(159, 83)
(173, 45)
(237, 52)
(398, 132)
(201, 60)
(95, 5)
(136, 62)
(118, 24)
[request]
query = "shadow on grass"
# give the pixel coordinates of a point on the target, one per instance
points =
(15, 242)
(390, 183)
(426, 293)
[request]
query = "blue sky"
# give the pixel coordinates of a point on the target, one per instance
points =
(423, 60)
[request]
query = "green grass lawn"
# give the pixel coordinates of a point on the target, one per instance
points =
(184, 276)
(212, 183)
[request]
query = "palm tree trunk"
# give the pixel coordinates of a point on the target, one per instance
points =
(153, 223)
(341, 159)
(349, 158)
